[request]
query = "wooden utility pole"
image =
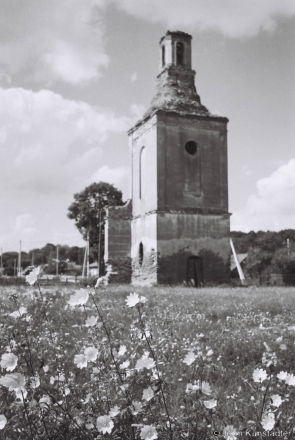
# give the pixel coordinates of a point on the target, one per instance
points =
(57, 249)
(14, 267)
(20, 259)
(99, 246)
(87, 255)
(1, 264)
(33, 258)
(288, 247)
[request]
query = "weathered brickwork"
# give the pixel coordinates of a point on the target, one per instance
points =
(177, 228)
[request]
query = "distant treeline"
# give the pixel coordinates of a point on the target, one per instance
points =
(268, 252)
(47, 256)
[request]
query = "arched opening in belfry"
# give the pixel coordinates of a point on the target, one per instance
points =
(163, 55)
(179, 53)
(142, 173)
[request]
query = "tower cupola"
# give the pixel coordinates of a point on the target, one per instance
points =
(176, 89)
(175, 49)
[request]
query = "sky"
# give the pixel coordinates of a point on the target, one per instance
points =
(75, 75)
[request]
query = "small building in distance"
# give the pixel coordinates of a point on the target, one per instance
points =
(176, 225)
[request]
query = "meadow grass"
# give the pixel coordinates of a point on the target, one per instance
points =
(186, 363)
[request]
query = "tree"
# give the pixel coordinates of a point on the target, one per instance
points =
(258, 260)
(88, 206)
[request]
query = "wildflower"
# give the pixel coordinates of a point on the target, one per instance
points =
(67, 391)
(282, 375)
(45, 401)
(259, 375)
(283, 347)
(136, 407)
(145, 362)
(290, 380)
(91, 353)
(190, 388)
(148, 394)
(91, 321)
(124, 365)
(89, 425)
(114, 411)
(33, 275)
(122, 350)
(210, 352)
(3, 421)
(189, 358)
(13, 381)
(279, 339)
(80, 360)
(148, 432)
(45, 368)
(18, 313)
(229, 433)
(35, 381)
(132, 300)
(104, 424)
(268, 421)
(205, 388)
(276, 400)
(210, 403)
(79, 298)
(8, 361)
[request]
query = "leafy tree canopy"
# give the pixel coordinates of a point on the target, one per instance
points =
(87, 205)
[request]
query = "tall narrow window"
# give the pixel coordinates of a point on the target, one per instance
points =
(142, 173)
(140, 254)
(179, 53)
(163, 55)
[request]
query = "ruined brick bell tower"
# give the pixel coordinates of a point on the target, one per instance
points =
(180, 220)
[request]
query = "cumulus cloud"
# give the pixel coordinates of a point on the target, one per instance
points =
(50, 144)
(133, 77)
(52, 40)
(234, 18)
(273, 206)
(111, 175)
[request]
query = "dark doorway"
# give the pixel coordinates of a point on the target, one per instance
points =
(195, 271)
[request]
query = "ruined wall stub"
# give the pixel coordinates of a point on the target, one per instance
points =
(117, 255)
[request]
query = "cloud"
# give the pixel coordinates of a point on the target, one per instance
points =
(52, 40)
(49, 144)
(273, 206)
(22, 227)
(133, 77)
(116, 176)
(137, 110)
(23, 223)
(234, 18)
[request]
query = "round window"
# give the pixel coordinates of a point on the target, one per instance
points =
(191, 147)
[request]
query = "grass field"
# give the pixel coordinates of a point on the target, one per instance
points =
(187, 363)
